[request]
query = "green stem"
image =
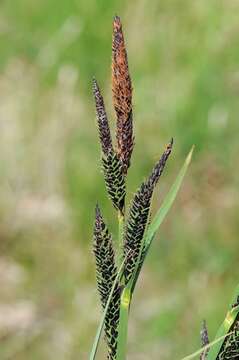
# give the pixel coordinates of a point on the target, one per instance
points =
(123, 324)
(227, 324)
(124, 300)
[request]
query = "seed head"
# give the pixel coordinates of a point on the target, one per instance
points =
(103, 125)
(104, 253)
(122, 95)
(158, 168)
(114, 180)
(139, 214)
(106, 272)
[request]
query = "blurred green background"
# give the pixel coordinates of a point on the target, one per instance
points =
(184, 63)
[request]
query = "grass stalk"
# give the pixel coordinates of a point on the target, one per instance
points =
(123, 323)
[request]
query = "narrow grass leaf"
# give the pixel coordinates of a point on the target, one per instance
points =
(230, 320)
(223, 333)
(210, 345)
(125, 301)
(123, 323)
(168, 201)
(162, 212)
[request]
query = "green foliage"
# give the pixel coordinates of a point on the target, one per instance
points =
(225, 345)
(228, 347)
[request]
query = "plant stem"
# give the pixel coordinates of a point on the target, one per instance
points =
(124, 300)
(123, 323)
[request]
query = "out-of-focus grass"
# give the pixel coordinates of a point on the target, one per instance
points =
(184, 61)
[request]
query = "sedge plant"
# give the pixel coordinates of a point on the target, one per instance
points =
(117, 274)
(118, 265)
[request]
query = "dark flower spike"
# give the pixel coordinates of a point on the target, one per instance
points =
(122, 96)
(106, 272)
(112, 166)
(139, 214)
(114, 180)
(204, 340)
(158, 168)
(103, 125)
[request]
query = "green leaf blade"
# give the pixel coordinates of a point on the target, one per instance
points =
(168, 201)
(223, 333)
(123, 323)
(231, 316)
(162, 212)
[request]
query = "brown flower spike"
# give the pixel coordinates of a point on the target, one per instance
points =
(122, 96)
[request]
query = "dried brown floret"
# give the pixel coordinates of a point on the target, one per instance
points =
(122, 96)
